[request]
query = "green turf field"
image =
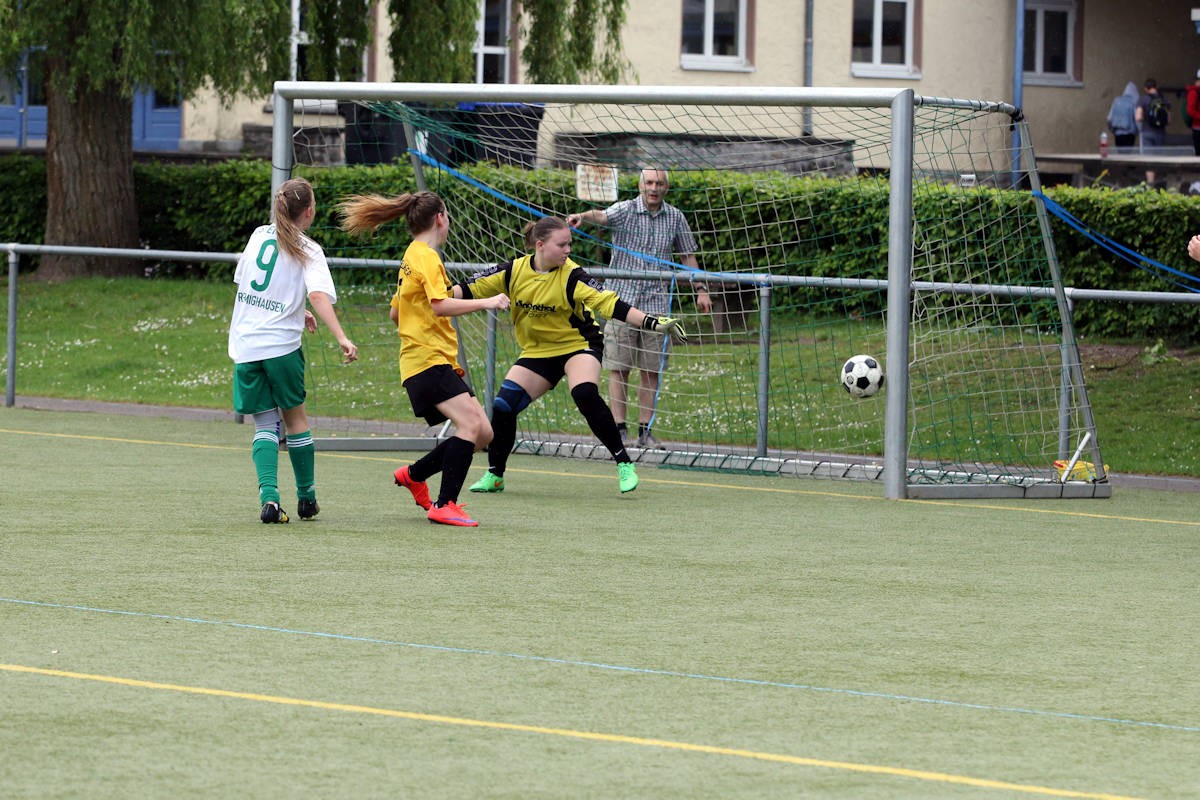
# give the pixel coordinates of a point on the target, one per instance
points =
(705, 636)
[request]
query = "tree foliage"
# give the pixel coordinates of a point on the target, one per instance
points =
(174, 46)
(573, 41)
(431, 41)
(562, 41)
(337, 33)
(98, 54)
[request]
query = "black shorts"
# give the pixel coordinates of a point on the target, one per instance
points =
(432, 386)
(554, 367)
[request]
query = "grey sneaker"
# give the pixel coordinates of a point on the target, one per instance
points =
(646, 441)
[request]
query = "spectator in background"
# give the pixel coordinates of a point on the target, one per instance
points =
(1153, 115)
(1194, 247)
(1193, 112)
(645, 225)
(1121, 116)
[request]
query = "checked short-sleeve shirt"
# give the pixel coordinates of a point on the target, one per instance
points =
(664, 235)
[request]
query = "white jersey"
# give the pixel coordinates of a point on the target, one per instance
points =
(268, 314)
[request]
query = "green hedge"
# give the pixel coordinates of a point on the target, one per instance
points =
(216, 206)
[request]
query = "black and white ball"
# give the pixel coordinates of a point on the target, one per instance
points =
(862, 376)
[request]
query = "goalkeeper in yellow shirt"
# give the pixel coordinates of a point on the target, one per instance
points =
(553, 302)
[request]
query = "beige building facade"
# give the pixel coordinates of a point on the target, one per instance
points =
(1077, 56)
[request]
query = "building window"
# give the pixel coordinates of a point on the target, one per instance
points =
(491, 42)
(885, 39)
(1050, 41)
(301, 42)
(716, 34)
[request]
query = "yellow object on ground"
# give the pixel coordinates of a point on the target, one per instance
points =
(1082, 471)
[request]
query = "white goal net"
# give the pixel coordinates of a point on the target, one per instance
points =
(828, 223)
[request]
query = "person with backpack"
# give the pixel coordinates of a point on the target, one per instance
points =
(1193, 112)
(1121, 116)
(1153, 115)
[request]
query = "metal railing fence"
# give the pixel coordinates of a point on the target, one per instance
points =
(764, 284)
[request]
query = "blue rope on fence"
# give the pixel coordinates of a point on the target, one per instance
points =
(1116, 248)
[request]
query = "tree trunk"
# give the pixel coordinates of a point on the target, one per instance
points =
(89, 181)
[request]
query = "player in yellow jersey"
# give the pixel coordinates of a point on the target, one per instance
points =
(553, 303)
(429, 368)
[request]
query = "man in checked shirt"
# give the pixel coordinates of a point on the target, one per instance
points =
(649, 225)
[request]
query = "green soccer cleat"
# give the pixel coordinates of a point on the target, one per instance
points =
(627, 476)
(490, 482)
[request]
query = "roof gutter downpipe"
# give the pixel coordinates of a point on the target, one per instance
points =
(1018, 80)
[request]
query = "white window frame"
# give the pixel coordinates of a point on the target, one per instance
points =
(875, 68)
(1037, 76)
(299, 39)
(480, 50)
(708, 61)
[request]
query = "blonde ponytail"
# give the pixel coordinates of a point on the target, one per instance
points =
(293, 198)
(363, 213)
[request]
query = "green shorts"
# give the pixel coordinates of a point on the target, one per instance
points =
(274, 383)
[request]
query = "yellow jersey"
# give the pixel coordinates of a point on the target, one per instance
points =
(552, 312)
(426, 339)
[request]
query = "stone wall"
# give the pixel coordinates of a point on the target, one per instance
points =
(794, 156)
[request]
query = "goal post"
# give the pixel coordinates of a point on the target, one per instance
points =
(828, 222)
(895, 473)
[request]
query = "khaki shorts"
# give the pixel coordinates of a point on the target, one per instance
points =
(627, 348)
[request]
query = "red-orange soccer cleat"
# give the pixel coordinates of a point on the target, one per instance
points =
(420, 491)
(451, 514)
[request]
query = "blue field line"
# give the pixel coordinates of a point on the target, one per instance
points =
(612, 667)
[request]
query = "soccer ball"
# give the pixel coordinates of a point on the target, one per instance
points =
(862, 376)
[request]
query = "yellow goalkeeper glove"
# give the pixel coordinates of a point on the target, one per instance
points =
(667, 325)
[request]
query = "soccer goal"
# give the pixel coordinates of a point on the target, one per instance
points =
(829, 223)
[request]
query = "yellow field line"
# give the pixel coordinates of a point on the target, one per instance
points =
(124, 441)
(826, 493)
(573, 734)
(667, 482)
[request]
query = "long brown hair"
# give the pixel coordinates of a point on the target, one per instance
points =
(363, 213)
(291, 200)
(539, 230)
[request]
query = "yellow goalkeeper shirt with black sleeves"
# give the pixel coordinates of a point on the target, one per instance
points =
(552, 312)
(426, 339)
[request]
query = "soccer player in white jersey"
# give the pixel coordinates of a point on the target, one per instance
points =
(278, 268)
